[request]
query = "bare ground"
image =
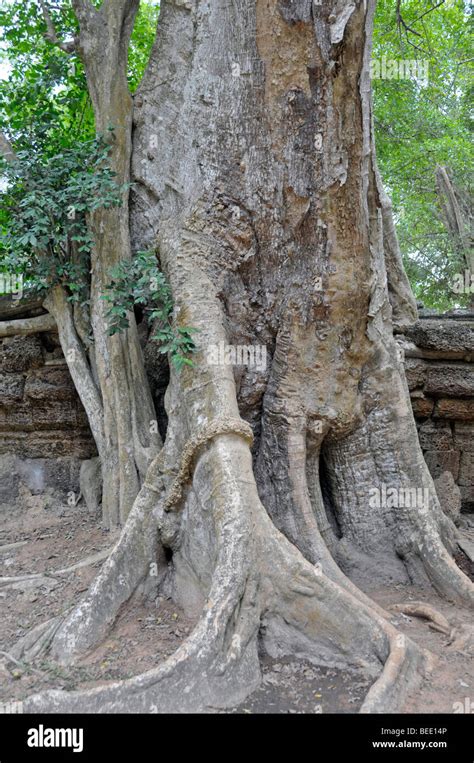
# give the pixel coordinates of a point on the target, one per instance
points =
(57, 537)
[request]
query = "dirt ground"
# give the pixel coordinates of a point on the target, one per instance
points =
(44, 539)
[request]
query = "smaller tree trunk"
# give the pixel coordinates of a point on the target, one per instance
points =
(120, 407)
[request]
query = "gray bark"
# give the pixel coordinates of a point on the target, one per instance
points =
(255, 174)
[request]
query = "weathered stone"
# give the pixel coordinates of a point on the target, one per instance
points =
(57, 414)
(449, 495)
(59, 474)
(467, 497)
(9, 485)
(422, 407)
(448, 336)
(90, 482)
(11, 388)
(435, 435)
(32, 475)
(55, 443)
(20, 353)
(439, 461)
(454, 409)
(449, 380)
(466, 468)
(467, 546)
(464, 436)
(415, 371)
(53, 476)
(50, 383)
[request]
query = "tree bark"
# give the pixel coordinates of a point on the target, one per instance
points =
(129, 438)
(255, 173)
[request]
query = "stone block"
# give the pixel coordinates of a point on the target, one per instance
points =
(11, 388)
(20, 353)
(435, 435)
(449, 380)
(466, 468)
(422, 407)
(449, 495)
(454, 409)
(439, 461)
(50, 383)
(464, 435)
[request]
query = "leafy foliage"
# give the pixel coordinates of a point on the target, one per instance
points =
(141, 282)
(418, 127)
(44, 104)
(44, 207)
(143, 36)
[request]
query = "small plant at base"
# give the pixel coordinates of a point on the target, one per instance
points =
(139, 281)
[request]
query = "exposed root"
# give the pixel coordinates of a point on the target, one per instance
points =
(27, 326)
(462, 639)
(403, 671)
(329, 616)
(28, 582)
(37, 641)
(217, 665)
(436, 620)
(47, 579)
(384, 452)
(447, 578)
(192, 680)
(126, 566)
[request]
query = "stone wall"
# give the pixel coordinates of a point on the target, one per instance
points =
(439, 364)
(44, 433)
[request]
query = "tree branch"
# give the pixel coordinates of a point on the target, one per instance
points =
(86, 13)
(6, 149)
(120, 7)
(27, 326)
(429, 11)
(124, 13)
(51, 35)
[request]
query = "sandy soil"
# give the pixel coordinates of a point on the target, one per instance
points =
(55, 537)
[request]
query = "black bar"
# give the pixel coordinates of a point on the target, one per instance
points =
(315, 737)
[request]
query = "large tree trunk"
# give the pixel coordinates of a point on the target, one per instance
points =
(255, 170)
